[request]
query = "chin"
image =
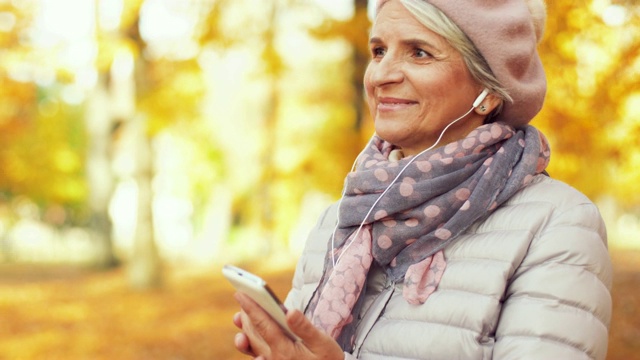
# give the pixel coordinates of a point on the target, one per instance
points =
(395, 139)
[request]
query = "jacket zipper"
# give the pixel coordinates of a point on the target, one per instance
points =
(373, 314)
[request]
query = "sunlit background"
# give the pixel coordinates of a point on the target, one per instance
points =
(151, 135)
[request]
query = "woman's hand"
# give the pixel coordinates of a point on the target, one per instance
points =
(262, 338)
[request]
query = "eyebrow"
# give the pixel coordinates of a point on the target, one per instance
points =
(407, 42)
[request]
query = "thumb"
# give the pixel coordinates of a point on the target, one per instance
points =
(321, 345)
(303, 327)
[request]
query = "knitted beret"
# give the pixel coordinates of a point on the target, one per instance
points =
(504, 33)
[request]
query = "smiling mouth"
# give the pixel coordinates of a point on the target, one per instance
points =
(394, 104)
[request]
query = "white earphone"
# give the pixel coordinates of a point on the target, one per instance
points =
(480, 98)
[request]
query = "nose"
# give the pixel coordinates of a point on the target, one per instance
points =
(385, 71)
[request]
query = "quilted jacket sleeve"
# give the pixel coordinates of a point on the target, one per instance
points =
(558, 303)
(309, 268)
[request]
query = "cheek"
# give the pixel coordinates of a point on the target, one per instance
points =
(369, 91)
(366, 82)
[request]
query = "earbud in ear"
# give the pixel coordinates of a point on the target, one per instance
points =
(481, 97)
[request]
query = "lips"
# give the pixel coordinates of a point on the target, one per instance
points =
(392, 104)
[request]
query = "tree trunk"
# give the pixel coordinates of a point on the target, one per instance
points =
(145, 271)
(360, 59)
(99, 175)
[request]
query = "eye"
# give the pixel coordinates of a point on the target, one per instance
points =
(419, 53)
(378, 51)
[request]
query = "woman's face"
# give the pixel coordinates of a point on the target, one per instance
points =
(417, 83)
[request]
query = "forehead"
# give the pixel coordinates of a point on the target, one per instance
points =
(395, 12)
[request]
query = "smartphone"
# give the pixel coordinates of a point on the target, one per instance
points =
(256, 288)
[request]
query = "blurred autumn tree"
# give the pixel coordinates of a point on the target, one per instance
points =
(268, 96)
(167, 91)
(591, 53)
(14, 119)
(41, 148)
(355, 32)
(301, 113)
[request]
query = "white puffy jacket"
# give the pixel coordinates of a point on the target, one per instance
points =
(530, 282)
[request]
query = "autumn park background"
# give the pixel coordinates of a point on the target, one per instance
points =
(144, 143)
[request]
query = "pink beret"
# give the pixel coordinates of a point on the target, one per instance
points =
(503, 32)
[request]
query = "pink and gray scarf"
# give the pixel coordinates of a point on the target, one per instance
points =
(436, 197)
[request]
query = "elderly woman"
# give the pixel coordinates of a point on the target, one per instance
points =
(450, 241)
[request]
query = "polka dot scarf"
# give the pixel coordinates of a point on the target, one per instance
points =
(431, 199)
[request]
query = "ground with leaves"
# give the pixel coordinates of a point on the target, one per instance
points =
(66, 313)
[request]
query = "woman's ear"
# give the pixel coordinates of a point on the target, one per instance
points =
(487, 105)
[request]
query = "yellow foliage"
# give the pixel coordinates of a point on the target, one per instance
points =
(591, 76)
(307, 121)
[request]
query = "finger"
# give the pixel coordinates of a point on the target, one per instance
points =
(299, 324)
(314, 340)
(261, 321)
(264, 333)
(237, 320)
(251, 326)
(241, 342)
